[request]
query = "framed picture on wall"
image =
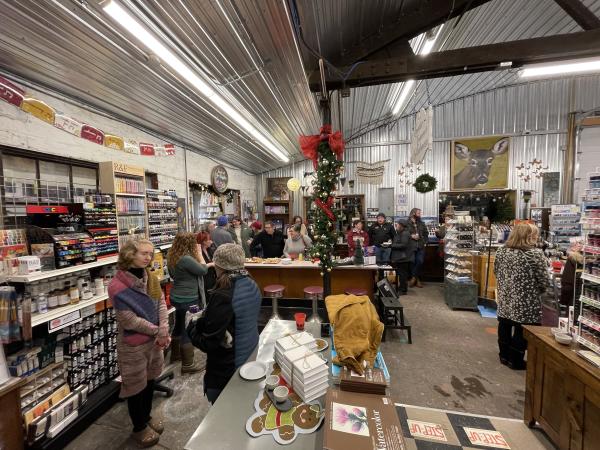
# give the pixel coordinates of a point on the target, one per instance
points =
(480, 163)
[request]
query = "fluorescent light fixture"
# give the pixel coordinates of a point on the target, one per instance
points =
(127, 21)
(590, 65)
(406, 90)
(409, 85)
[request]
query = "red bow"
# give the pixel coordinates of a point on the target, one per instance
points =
(326, 207)
(310, 144)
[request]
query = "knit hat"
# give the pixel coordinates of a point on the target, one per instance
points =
(229, 257)
(222, 221)
(381, 215)
(256, 224)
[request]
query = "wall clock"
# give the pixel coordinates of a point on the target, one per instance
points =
(220, 179)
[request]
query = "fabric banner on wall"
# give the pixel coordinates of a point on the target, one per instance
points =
(422, 137)
(15, 95)
(370, 173)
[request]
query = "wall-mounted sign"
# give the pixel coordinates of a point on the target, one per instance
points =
(220, 179)
(128, 169)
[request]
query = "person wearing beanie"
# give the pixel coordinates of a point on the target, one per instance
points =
(228, 330)
(221, 235)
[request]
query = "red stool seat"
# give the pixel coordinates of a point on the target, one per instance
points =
(313, 292)
(355, 291)
(274, 290)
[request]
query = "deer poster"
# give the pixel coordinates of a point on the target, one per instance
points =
(480, 163)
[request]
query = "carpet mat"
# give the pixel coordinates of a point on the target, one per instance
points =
(436, 429)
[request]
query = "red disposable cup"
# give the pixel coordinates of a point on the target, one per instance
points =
(300, 318)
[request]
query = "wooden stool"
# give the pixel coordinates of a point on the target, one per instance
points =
(274, 292)
(393, 317)
(314, 293)
(355, 291)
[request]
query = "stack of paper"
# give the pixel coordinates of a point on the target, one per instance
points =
(306, 372)
(292, 341)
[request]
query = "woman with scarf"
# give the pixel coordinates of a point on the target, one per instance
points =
(228, 330)
(187, 268)
(296, 243)
(142, 320)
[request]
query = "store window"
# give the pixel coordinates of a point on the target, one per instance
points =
(84, 181)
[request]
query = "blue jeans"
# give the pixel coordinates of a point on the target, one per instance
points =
(179, 328)
(382, 255)
(417, 265)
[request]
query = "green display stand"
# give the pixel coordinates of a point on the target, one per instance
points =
(462, 295)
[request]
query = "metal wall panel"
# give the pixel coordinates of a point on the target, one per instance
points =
(533, 114)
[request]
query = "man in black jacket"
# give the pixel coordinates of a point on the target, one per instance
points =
(403, 249)
(271, 241)
(379, 233)
(420, 234)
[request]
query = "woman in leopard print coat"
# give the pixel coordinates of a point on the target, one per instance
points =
(522, 277)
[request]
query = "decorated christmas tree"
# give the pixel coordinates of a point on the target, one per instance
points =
(325, 150)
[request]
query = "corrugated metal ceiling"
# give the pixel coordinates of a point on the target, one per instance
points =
(248, 50)
(73, 47)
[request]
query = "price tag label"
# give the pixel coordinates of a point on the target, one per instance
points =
(64, 321)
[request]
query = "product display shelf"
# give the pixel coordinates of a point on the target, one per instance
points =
(162, 216)
(128, 184)
(37, 318)
(40, 385)
(37, 276)
(279, 212)
(100, 220)
(209, 207)
(588, 306)
(458, 245)
(565, 224)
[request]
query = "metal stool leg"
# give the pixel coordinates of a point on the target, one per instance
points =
(274, 305)
(315, 311)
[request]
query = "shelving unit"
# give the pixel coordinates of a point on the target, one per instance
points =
(100, 220)
(541, 218)
(564, 224)
(458, 247)
(162, 216)
(38, 276)
(460, 291)
(127, 183)
(587, 306)
(279, 212)
(38, 319)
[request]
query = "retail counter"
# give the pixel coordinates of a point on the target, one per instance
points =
(300, 274)
(563, 392)
(224, 427)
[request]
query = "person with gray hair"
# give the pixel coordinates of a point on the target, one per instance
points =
(228, 330)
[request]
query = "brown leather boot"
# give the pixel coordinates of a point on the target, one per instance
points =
(175, 350)
(418, 283)
(188, 365)
(412, 282)
(145, 438)
(157, 425)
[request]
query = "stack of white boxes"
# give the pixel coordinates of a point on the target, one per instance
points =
(305, 371)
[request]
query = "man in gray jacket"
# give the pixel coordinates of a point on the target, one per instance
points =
(221, 235)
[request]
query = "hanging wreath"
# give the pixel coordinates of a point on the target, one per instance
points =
(425, 183)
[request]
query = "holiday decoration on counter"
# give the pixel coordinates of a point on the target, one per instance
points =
(15, 95)
(325, 150)
(370, 173)
(425, 183)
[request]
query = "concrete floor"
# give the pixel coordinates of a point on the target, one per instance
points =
(452, 364)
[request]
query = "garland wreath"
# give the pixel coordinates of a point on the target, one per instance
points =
(425, 183)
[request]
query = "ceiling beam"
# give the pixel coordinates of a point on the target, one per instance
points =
(467, 60)
(580, 13)
(425, 15)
